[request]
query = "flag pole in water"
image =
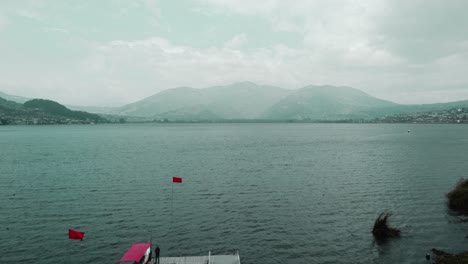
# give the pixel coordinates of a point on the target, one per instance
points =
(172, 201)
(76, 235)
(175, 179)
(151, 247)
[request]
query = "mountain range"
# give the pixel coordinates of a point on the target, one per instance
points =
(243, 100)
(247, 100)
(250, 101)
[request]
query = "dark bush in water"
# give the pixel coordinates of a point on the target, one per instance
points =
(382, 230)
(441, 257)
(458, 197)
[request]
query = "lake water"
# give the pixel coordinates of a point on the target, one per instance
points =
(279, 193)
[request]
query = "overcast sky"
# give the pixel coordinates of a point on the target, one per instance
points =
(111, 52)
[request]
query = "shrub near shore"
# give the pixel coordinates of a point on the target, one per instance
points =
(382, 231)
(441, 257)
(458, 197)
(458, 202)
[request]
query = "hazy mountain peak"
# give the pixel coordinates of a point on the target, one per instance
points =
(14, 98)
(247, 99)
(244, 83)
(324, 102)
(180, 89)
(176, 90)
(333, 89)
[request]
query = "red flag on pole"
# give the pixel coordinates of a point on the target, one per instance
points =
(176, 180)
(73, 234)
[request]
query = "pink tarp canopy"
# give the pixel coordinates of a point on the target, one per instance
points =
(135, 253)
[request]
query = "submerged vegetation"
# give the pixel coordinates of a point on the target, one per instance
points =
(441, 257)
(458, 197)
(382, 231)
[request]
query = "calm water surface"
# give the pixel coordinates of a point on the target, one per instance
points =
(280, 193)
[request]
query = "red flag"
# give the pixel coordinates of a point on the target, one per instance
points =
(73, 234)
(176, 180)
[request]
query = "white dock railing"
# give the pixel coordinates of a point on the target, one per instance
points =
(210, 259)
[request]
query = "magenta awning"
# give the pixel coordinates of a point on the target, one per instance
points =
(135, 253)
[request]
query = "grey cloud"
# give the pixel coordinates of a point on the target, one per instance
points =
(423, 30)
(393, 49)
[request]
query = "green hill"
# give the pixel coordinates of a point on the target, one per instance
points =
(56, 109)
(40, 111)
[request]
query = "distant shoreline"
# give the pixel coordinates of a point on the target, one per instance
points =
(240, 122)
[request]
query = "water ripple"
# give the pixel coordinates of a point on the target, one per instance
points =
(277, 192)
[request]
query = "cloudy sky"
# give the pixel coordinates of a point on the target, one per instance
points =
(111, 52)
